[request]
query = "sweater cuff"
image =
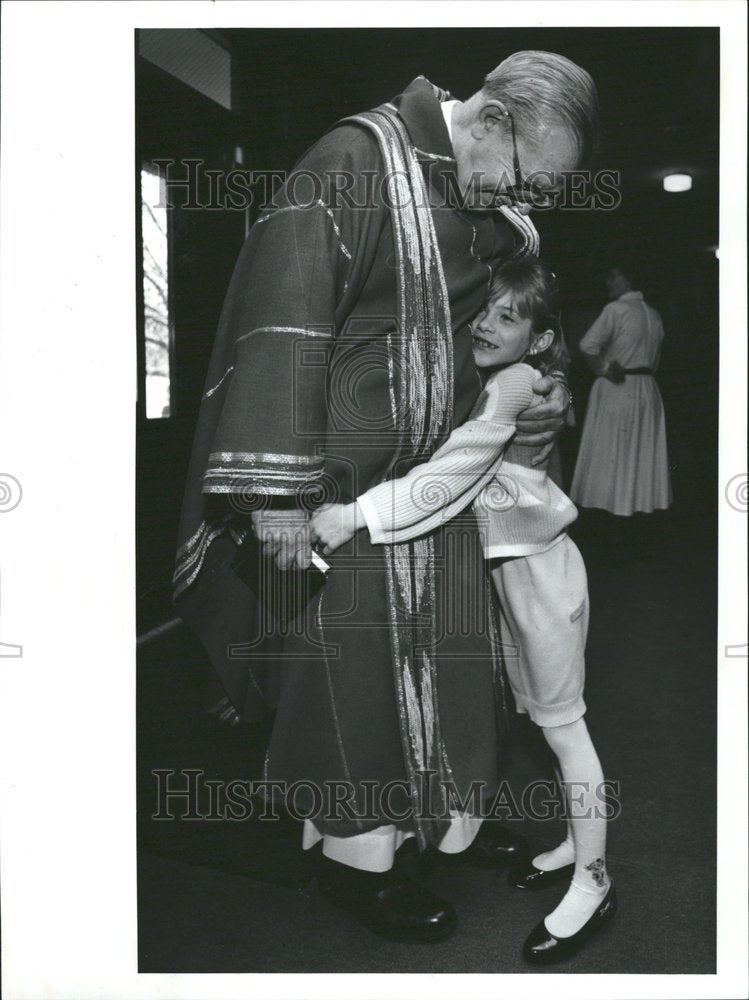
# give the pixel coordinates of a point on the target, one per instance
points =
(377, 534)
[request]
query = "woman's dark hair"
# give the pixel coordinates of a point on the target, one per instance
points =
(628, 270)
(535, 295)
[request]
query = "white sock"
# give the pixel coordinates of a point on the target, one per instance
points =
(575, 910)
(563, 854)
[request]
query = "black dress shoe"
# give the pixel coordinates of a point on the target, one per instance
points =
(495, 847)
(542, 948)
(527, 876)
(392, 907)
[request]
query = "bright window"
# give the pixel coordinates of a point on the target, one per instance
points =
(157, 324)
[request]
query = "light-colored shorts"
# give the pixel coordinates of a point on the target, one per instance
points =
(544, 615)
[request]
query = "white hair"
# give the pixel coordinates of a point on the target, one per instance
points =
(542, 88)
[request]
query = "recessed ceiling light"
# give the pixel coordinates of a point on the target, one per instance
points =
(677, 182)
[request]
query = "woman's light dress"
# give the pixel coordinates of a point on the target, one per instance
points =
(622, 464)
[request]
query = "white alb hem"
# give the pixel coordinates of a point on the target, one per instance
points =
(374, 851)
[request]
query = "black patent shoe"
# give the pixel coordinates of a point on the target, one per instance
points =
(393, 908)
(527, 876)
(496, 847)
(542, 948)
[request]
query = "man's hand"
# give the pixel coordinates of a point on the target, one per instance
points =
(334, 524)
(543, 421)
(284, 534)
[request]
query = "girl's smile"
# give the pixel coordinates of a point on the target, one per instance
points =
(480, 342)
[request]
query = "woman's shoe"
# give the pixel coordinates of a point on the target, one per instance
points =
(542, 948)
(527, 876)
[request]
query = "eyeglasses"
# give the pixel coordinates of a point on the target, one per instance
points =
(523, 192)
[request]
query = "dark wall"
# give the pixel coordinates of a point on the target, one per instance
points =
(659, 101)
(174, 122)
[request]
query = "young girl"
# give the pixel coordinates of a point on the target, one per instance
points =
(537, 570)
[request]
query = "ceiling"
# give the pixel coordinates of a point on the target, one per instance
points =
(658, 87)
(658, 90)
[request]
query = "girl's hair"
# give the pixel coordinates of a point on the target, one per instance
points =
(535, 295)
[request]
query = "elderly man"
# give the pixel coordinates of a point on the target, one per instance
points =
(344, 357)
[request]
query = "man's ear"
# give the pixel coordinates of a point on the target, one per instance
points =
(492, 114)
(542, 341)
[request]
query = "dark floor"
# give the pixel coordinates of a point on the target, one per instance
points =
(223, 896)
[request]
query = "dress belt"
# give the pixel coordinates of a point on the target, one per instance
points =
(638, 371)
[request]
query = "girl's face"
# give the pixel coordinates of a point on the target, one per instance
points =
(500, 335)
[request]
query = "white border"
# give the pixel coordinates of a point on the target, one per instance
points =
(67, 724)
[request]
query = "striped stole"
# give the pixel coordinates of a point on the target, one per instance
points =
(421, 394)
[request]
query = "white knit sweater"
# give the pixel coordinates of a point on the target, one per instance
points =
(518, 508)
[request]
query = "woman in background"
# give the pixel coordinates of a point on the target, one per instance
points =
(622, 464)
